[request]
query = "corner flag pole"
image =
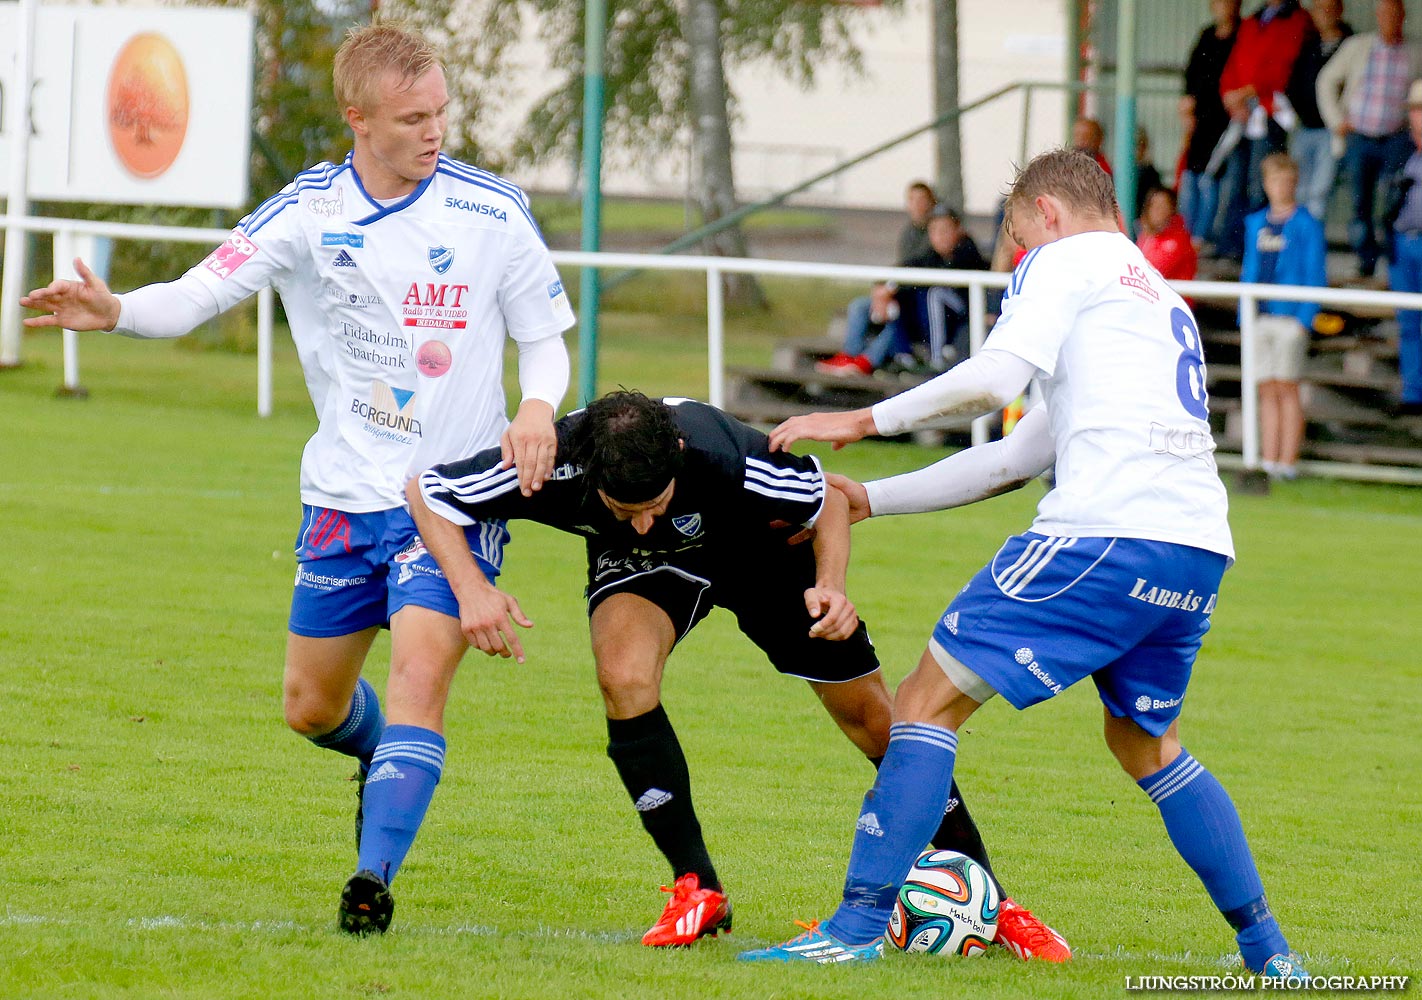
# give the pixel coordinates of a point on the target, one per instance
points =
(590, 286)
(17, 201)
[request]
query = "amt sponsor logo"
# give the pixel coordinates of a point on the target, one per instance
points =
(476, 207)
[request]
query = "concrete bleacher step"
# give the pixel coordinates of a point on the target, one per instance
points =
(1378, 381)
(770, 395)
(1362, 453)
(801, 355)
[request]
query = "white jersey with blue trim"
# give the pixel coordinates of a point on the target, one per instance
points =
(399, 312)
(1122, 373)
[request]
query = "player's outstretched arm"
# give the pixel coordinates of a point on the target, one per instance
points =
(974, 474)
(485, 612)
(86, 304)
(841, 428)
(531, 444)
(834, 613)
(855, 493)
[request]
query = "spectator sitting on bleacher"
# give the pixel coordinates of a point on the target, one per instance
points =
(1088, 136)
(1405, 271)
(1164, 238)
(1283, 245)
(935, 315)
(1148, 177)
(869, 314)
(938, 314)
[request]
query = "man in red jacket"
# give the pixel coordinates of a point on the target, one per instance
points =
(1251, 87)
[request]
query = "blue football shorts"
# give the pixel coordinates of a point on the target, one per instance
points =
(356, 570)
(1049, 611)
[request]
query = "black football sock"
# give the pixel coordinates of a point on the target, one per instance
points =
(959, 833)
(653, 769)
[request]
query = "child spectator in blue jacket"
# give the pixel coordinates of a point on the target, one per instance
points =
(1283, 245)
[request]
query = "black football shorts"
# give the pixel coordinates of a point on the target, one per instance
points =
(767, 598)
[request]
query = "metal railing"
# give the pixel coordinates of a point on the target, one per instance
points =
(975, 282)
(68, 231)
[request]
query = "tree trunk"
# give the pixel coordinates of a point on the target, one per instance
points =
(713, 185)
(945, 99)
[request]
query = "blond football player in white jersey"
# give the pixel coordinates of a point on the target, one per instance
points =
(402, 272)
(1115, 580)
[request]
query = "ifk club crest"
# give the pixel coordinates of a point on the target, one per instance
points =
(441, 259)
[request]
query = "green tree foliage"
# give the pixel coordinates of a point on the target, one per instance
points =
(646, 61)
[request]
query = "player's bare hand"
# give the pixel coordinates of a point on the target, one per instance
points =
(531, 444)
(487, 616)
(834, 614)
(855, 493)
(86, 304)
(841, 428)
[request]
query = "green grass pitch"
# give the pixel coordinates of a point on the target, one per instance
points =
(162, 835)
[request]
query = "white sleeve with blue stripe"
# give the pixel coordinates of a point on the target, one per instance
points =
(261, 247)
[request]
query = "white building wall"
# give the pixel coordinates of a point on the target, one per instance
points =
(784, 135)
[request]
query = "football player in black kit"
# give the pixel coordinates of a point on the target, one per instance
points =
(683, 508)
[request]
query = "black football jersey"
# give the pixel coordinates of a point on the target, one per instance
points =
(731, 491)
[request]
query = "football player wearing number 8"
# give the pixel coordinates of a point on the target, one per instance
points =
(676, 499)
(1116, 579)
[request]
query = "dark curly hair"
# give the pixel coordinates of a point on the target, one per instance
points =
(628, 446)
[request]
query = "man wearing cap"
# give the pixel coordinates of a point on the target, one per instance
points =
(1405, 272)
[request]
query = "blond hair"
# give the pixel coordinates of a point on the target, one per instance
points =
(368, 52)
(1069, 174)
(1279, 163)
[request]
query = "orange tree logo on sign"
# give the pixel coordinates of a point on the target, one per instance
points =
(148, 105)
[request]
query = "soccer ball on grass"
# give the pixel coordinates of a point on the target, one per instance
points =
(948, 906)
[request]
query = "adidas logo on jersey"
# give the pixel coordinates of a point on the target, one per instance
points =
(869, 823)
(950, 622)
(343, 259)
(652, 798)
(384, 771)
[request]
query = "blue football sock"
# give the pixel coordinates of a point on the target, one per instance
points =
(1205, 829)
(403, 775)
(900, 814)
(359, 735)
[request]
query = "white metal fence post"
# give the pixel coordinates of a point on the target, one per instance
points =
(1248, 386)
(716, 335)
(977, 333)
(67, 246)
(265, 308)
(12, 283)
